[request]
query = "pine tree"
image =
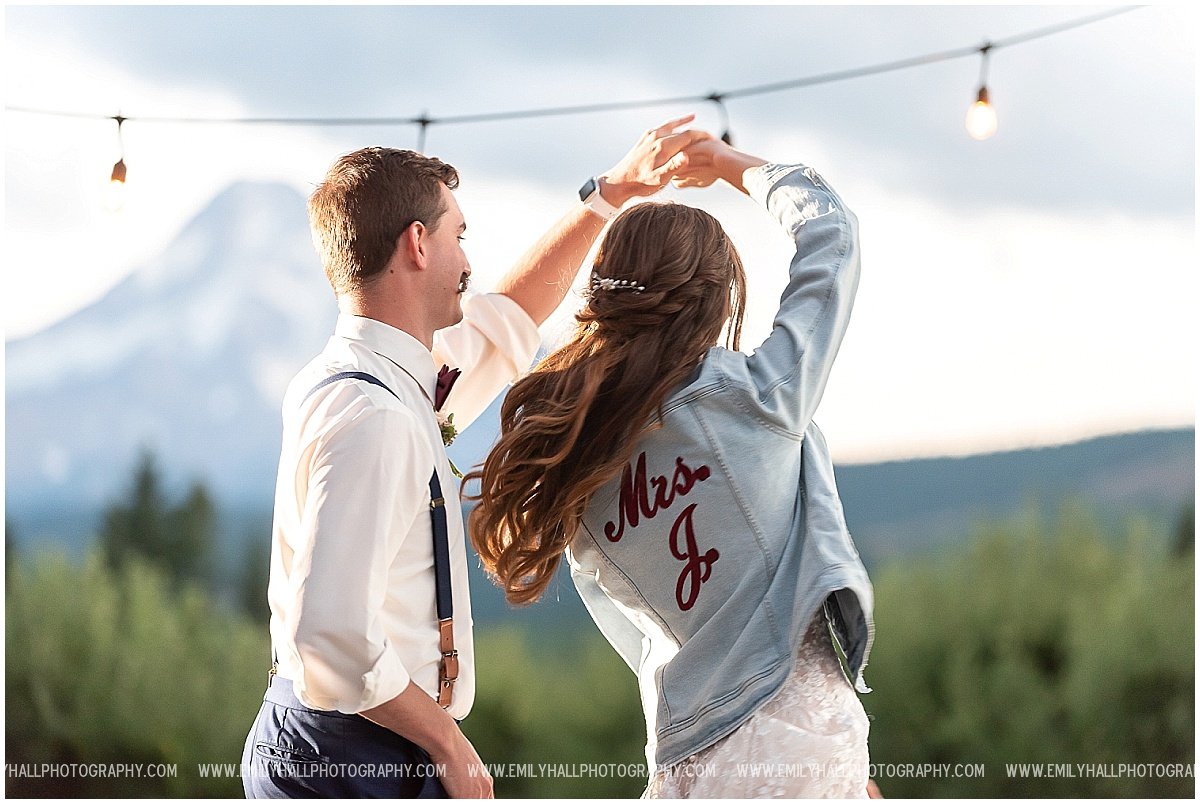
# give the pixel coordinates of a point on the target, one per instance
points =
(191, 535)
(139, 526)
(178, 539)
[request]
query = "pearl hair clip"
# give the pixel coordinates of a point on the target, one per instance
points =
(608, 283)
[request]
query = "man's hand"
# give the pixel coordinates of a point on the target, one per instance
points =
(415, 716)
(652, 162)
(465, 775)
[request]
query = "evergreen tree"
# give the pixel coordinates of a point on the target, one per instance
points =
(138, 526)
(180, 539)
(191, 535)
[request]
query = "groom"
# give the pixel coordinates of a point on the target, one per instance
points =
(370, 615)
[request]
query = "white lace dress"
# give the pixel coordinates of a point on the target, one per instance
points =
(809, 740)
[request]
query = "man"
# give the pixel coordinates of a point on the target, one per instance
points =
(364, 651)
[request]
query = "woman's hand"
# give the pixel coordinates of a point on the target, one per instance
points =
(711, 159)
(652, 163)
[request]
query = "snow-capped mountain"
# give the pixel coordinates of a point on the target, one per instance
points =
(188, 357)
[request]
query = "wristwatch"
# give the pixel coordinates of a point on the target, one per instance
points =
(589, 194)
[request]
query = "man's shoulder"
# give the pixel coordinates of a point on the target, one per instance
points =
(338, 357)
(491, 316)
(336, 386)
(352, 410)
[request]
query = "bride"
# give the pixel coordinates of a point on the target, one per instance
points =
(694, 496)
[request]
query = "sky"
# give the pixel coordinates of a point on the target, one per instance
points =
(1035, 288)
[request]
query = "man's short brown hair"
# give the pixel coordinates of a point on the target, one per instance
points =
(369, 197)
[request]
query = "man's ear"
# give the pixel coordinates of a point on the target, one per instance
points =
(411, 244)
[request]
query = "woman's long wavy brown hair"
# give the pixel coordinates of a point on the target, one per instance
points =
(571, 425)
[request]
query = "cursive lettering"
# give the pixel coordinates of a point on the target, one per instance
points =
(697, 568)
(635, 501)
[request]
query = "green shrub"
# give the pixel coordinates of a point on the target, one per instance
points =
(120, 667)
(568, 707)
(1035, 642)
(1038, 643)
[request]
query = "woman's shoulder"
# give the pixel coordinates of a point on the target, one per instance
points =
(721, 369)
(706, 373)
(722, 365)
(717, 369)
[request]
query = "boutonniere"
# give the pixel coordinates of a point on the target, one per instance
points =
(449, 431)
(445, 381)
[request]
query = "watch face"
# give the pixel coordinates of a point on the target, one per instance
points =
(589, 187)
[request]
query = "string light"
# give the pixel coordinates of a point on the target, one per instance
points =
(115, 199)
(981, 117)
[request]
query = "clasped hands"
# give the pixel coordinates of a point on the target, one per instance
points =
(689, 158)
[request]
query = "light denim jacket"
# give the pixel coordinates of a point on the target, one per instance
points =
(705, 561)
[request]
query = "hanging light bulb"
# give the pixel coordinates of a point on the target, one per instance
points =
(981, 117)
(115, 197)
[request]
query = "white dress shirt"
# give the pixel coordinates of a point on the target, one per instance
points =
(353, 615)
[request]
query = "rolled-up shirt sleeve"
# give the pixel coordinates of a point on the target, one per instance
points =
(362, 498)
(496, 341)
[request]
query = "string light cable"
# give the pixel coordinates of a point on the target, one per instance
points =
(981, 121)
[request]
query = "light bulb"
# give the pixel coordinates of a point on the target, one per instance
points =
(981, 117)
(115, 197)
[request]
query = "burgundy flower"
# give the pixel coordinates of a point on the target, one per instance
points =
(445, 382)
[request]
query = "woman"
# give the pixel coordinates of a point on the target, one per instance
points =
(695, 497)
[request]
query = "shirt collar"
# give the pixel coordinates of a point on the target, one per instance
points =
(394, 344)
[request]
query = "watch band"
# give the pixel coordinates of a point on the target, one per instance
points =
(589, 194)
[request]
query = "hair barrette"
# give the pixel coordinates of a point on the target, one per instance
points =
(608, 283)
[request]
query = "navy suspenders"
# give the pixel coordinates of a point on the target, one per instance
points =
(448, 667)
(348, 375)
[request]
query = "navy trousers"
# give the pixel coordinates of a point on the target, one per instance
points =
(293, 751)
